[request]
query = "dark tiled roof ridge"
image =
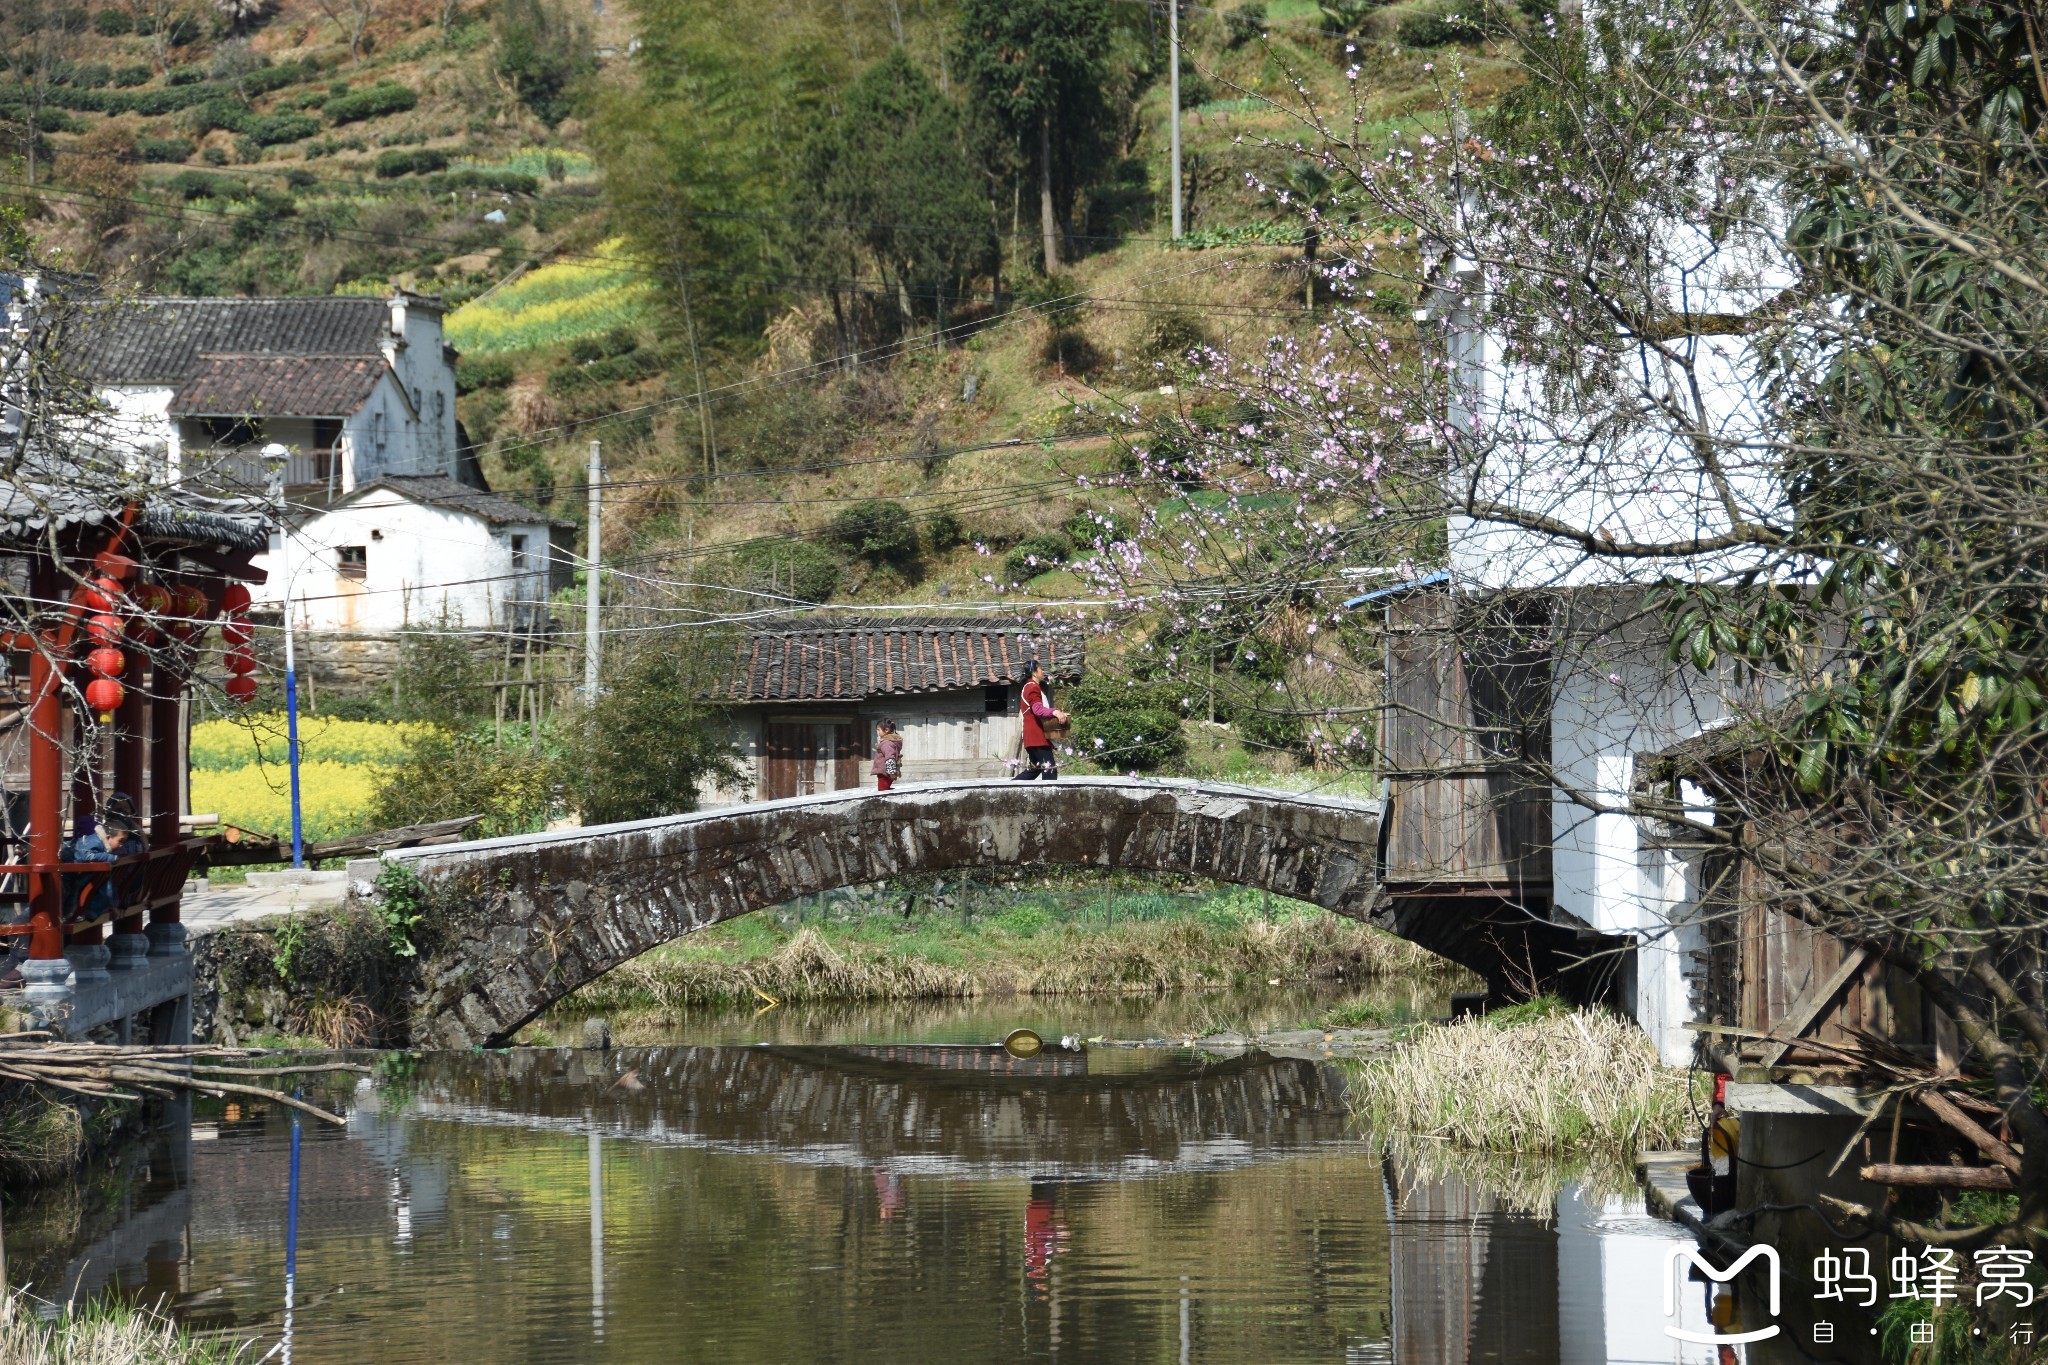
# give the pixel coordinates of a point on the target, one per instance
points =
(848, 657)
(444, 491)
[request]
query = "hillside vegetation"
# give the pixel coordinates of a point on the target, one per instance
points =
(805, 270)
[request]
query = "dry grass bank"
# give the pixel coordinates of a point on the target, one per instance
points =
(872, 961)
(102, 1334)
(1543, 1081)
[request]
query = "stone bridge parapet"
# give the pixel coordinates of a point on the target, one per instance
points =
(529, 918)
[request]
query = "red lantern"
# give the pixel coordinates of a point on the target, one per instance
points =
(104, 696)
(153, 598)
(107, 663)
(105, 629)
(241, 660)
(241, 687)
(235, 599)
(235, 631)
(94, 597)
(189, 601)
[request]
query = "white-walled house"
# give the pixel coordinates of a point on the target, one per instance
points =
(353, 387)
(412, 549)
(1533, 651)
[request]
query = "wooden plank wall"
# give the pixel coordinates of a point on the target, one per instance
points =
(1467, 712)
(1781, 957)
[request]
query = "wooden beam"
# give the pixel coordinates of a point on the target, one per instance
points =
(1809, 1007)
(1939, 1177)
(1946, 1110)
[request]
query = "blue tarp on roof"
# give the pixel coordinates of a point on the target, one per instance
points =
(1426, 581)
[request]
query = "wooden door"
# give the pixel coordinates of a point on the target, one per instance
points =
(803, 758)
(847, 753)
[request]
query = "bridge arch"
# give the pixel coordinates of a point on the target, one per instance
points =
(529, 918)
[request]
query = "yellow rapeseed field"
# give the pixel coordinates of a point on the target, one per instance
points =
(554, 304)
(239, 770)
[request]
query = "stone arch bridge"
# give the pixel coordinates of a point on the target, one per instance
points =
(529, 918)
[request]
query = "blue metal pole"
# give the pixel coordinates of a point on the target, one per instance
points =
(291, 723)
(291, 1242)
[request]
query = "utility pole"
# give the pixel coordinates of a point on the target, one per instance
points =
(1173, 87)
(591, 559)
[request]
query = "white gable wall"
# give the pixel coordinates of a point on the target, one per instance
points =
(422, 564)
(1588, 463)
(429, 383)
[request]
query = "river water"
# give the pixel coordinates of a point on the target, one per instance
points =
(875, 1196)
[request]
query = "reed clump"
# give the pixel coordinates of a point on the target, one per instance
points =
(102, 1333)
(1549, 1081)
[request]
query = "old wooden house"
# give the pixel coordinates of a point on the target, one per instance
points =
(806, 694)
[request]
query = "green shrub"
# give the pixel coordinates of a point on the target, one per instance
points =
(112, 23)
(1347, 16)
(222, 111)
(89, 75)
(214, 156)
(385, 97)
(185, 75)
(605, 345)
(137, 73)
(943, 531)
(273, 130)
(1245, 23)
(399, 162)
(875, 531)
(1268, 729)
(1135, 740)
(168, 149)
(448, 773)
(497, 182)
(1438, 29)
(204, 185)
(782, 568)
(483, 372)
(1035, 555)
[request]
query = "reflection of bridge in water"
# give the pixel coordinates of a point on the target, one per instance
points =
(972, 1112)
(1451, 1275)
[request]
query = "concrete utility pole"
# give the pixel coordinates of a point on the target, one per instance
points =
(1173, 87)
(591, 558)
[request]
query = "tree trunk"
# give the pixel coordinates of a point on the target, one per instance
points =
(1048, 221)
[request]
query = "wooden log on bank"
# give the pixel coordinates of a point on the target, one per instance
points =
(103, 1071)
(1939, 1177)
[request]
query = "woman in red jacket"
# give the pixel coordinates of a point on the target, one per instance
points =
(1038, 710)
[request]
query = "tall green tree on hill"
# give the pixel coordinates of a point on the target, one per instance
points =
(891, 175)
(1040, 74)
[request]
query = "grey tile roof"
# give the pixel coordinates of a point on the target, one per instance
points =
(80, 496)
(848, 659)
(277, 385)
(160, 340)
(442, 491)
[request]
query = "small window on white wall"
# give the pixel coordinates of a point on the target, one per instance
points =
(377, 430)
(352, 562)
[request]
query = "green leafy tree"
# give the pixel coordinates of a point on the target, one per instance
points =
(891, 175)
(543, 54)
(647, 748)
(1040, 74)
